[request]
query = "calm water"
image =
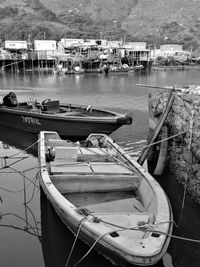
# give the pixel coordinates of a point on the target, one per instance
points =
(30, 232)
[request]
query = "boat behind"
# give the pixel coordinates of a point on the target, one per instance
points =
(106, 198)
(69, 120)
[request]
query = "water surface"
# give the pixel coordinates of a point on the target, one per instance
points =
(31, 234)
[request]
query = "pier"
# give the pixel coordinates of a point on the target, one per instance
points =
(27, 65)
(48, 64)
(45, 55)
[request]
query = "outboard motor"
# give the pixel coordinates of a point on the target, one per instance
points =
(10, 100)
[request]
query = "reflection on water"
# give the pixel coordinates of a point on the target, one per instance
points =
(19, 139)
(19, 216)
(21, 228)
(57, 246)
(184, 253)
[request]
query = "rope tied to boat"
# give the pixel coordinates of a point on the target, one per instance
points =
(165, 139)
(187, 155)
(77, 234)
(22, 151)
(142, 226)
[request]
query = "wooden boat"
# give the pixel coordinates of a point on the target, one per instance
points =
(69, 120)
(105, 198)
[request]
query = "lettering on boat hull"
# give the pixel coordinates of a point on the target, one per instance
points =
(30, 120)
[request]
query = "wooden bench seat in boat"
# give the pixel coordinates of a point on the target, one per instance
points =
(83, 154)
(51, 106)
(95, 183)
(94, 153)
(59, 142)
(66, 153)
(70, 166)
(91, 151)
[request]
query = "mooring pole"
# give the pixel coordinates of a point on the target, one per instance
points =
(159, 125)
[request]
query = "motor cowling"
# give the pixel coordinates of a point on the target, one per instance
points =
(10, 100)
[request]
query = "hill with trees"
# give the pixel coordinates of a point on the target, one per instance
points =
(154, 21)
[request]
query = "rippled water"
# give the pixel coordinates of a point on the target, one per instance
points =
(31, 234)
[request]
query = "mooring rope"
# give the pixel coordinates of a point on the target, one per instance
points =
(163, 140)
(24, 150)
(145, 228)
(8, 166)
(188, 159)
(87, 253)
(77, 234)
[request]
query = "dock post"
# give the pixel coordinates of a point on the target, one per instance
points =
(159, 125)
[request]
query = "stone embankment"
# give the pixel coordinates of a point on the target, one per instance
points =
(183, 122)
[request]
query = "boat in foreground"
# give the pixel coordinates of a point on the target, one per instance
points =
(69, 120)
(105, 198)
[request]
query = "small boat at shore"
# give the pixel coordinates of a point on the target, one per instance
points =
(69, 120)
(105, 198)
(121, 69)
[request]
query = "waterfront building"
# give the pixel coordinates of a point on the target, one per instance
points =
(174, 51)
(45, 49)
(15, 45)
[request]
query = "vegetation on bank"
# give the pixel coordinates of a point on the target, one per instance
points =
(138, 20)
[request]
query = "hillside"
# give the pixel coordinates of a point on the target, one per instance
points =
(154, 21)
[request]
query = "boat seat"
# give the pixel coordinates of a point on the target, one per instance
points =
(94, 154)
(59, 143)
(65, 154)
(110, 168)
(76, 183)
(51, 106)
(69, 167)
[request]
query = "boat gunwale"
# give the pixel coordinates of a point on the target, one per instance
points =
(113, 118)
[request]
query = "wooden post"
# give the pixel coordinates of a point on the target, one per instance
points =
(24, 65)
(159, 125)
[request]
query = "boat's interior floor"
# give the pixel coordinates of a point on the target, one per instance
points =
(95, 179)
(103, 198)
(106, 201)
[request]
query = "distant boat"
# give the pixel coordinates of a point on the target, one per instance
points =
(105, 198)
(124, 68)
(120, 69)
(165, 68)
(69, 65)
(69, 120)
